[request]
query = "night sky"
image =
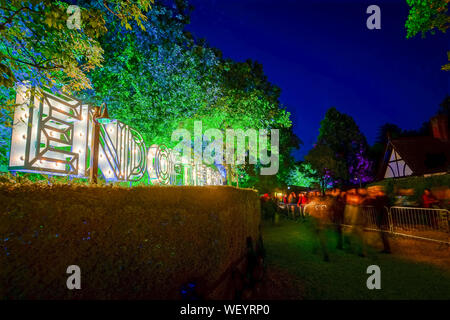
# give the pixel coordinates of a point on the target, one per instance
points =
(321, 54)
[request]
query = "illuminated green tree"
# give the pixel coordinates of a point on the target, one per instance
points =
(302, 175)
(155, 77)
(160, 79)
(37, 45)
(324, 165)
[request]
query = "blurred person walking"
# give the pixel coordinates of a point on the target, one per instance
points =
(292, 204)
(337, 212)
(379, 200)
(320, 221)
(354, 218)
(302, 202)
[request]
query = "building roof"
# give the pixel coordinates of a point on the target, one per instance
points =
(424, 155)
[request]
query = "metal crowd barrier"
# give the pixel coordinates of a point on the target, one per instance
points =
(419, 219)
(306, 209)
(313, 206)
(376, 220)
(422, 223)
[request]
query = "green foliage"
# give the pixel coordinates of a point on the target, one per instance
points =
(428, 16)
(250, 174)
(141, 243)
(339, 132)
(160, 79)
(155, 77)
(7, 100)
(323, 163)
(303, 176)
(36, 44)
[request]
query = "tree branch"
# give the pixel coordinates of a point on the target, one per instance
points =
(10, 19)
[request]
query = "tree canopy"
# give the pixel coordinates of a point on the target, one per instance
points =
(323, 164)
(302, 175)
(36, 44)
(428, 16)
(152, 73)
(339, 132)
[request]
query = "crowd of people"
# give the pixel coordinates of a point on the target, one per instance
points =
(338, 208)
(438, 198)
(334, 209)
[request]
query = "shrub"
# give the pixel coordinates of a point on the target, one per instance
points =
(130, 243)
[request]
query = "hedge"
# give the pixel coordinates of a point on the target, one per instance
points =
(130, 243)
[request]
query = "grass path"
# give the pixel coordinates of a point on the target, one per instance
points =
(290, 250)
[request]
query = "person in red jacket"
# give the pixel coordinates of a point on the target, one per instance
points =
(302, 202)
(428, 200)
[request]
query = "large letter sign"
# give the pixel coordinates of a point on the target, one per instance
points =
(52, 135)
(161, 165)
(122, 152)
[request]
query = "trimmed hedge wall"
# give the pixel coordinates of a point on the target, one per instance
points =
(130, 243)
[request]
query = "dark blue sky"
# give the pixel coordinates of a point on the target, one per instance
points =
(321, 54)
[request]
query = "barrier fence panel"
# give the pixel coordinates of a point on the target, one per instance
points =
(421, 223)
(376, 218)
(424, 223)
(310, 207)
(370, 216)
(419, 219)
